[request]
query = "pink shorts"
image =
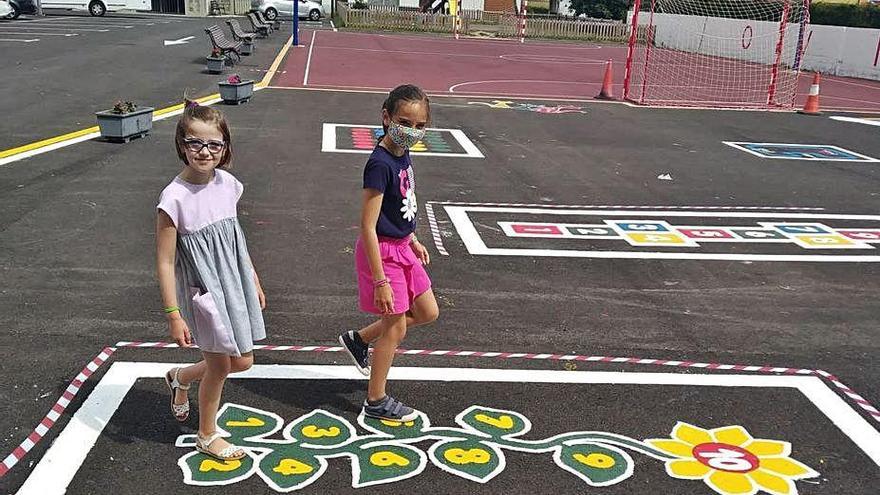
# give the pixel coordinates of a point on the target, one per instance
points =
(407, 276)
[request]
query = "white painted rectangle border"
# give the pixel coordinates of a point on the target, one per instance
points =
(59, 465)
(328, 142)
(875, 122)
(476, 246)
(864, 158)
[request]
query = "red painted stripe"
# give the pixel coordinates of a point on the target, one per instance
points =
(67, 395)
(687, 363)
(47, 422)
(3, 469)
(77, 383)
(34, 437)
(58, 408)
(19, 452)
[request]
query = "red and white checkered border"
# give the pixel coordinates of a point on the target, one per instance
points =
(74, 387)
(57, 410)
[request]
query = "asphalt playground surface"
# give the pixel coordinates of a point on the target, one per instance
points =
(77, 258)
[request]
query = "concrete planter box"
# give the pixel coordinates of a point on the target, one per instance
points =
(234, 94)
(124, 127)
(247, 47)
(215, 65)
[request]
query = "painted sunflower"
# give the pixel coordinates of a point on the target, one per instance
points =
(730, 461)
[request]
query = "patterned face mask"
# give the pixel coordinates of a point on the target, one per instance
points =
(403, 136)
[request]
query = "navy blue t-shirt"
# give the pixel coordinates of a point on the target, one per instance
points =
(393, 177)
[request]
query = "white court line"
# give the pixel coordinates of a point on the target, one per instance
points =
(66, 35)
(857, 121)
(59, 465)
(309, 60)
(10, 40)
(476, 246)
(468, 83)
(56, 29)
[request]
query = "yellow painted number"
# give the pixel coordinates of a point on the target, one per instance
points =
(385, 459)
(313, 431)
(395, 424)
(251, 422)
(596, 460)
(504, 422)
(212, 465)
(288, 467)
(470, 456)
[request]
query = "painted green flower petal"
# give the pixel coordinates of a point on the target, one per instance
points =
(320, 428)
(202, 470)
(469, 459)
(290, 468)
(386, 463)
(246, 422)
(598, 465)
(494, 422)
(396, 429)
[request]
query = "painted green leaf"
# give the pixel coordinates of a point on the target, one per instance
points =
(386, 463)
(469, 459)
(290, 467)
(396, 429)
(494, 422)
(320, 428)
(598, 465)
(200, 469)
(244, 422)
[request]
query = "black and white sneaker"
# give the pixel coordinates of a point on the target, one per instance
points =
(390, 409)
(358, 350)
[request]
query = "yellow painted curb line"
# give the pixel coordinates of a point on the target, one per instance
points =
(47, 142)
(274, 67)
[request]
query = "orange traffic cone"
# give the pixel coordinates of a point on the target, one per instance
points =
(606, 93)
(811, 107)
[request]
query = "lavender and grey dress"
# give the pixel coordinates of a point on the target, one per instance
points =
(216, 290)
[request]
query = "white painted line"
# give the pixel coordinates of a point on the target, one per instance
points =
(333, 26)
(34, 40)
(59, 465)
(857, 121)
(309, 60)
(863, 158)
(11, 26)
(90, 25)
(15, 33)
(476, 246)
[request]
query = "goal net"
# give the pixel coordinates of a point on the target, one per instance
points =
(716, 53)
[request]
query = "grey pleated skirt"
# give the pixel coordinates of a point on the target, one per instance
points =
(216, 290)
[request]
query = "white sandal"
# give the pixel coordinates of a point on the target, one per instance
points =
(230, 453)
(180, 411)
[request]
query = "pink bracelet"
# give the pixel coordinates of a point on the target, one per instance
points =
(380, 283)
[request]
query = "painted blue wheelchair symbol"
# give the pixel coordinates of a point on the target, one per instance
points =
(823, 152)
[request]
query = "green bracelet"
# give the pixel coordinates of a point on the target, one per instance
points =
(171, 309)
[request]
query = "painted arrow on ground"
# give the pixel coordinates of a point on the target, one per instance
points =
(181, 41)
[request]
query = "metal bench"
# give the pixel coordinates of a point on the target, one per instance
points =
(229, 49)
(260, 27)
(239, 34)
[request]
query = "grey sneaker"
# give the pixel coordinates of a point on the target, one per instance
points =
(358, 350)
(391, 409)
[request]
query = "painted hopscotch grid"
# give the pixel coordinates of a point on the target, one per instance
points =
(811, 152)
(59, 466)
(646, 231)
(40, 431)
(346, 138)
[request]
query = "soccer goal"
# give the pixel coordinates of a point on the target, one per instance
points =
(716, 53)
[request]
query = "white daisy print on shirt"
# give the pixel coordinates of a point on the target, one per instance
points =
(409, 206)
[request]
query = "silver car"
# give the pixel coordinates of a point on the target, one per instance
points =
(307, 9)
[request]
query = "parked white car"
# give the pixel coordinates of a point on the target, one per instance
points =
(307, 9)
(5, 9)
(98, 7)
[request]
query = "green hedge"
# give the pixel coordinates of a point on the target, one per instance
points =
(835, 14)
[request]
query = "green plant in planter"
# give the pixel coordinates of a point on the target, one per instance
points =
(123, 107)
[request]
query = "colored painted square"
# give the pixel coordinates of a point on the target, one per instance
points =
(794, 229)
(659, 239)
(759, 234)
(641, 226)
(547, 229)
(706, 233)
(828, 241)
(822, 152)
(590, 231)
(861, 235)
(344, 138)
